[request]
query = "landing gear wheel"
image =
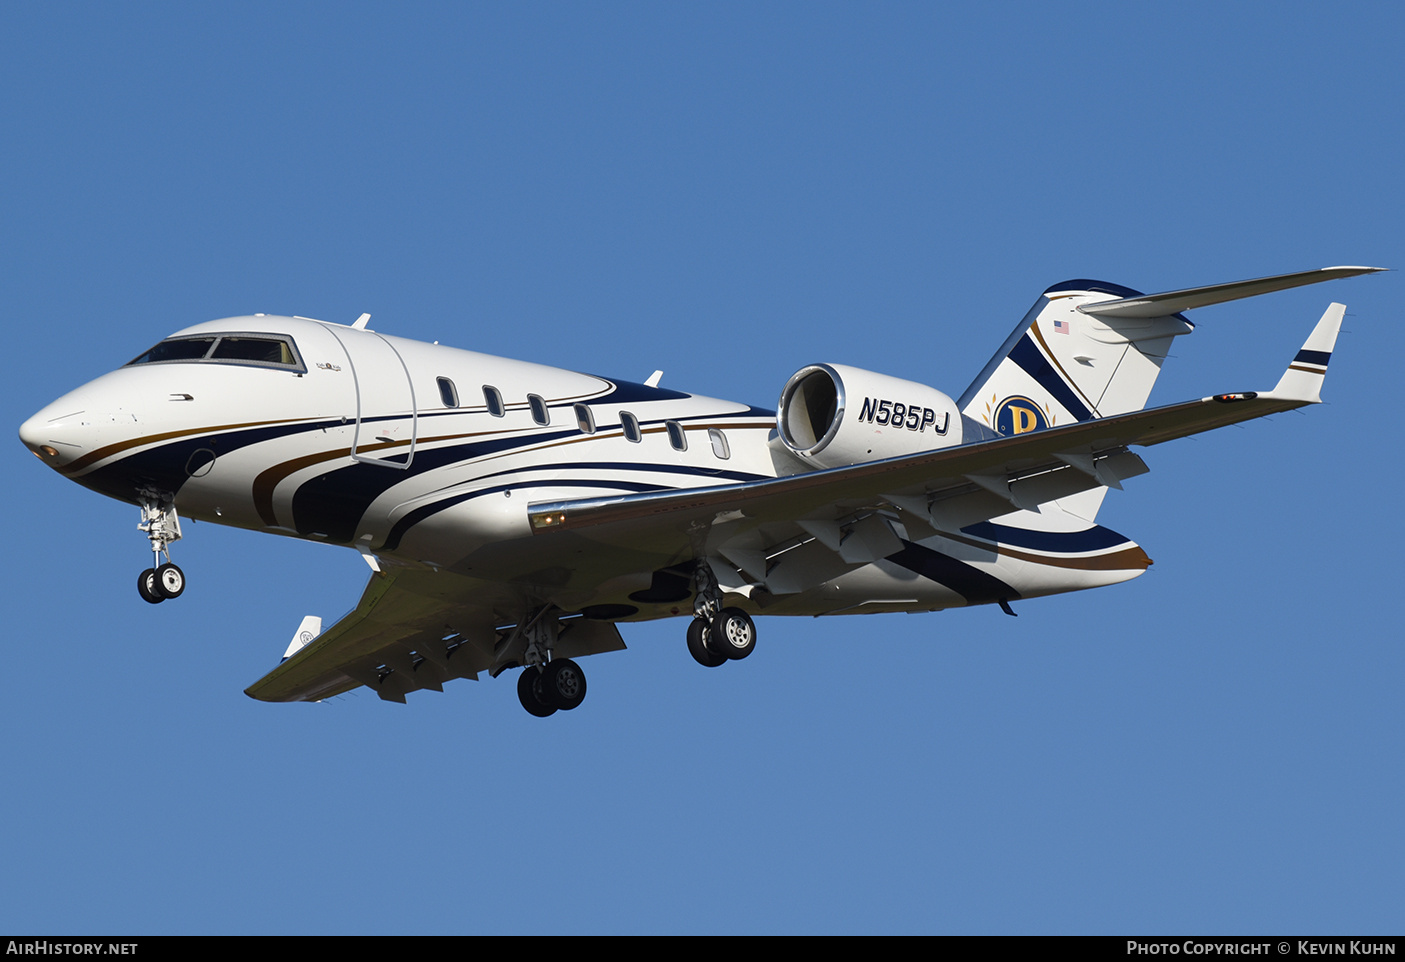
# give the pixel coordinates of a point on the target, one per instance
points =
(734, 632)
(563, 684)
(698, 648)
(146, 587)
(170, 581)
(529, 693)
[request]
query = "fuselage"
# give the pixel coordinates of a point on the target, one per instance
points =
(428, 455)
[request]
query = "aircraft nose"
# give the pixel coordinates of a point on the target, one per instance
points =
(59, 433)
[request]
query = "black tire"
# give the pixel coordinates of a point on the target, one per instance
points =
(734, 632)
(146, 587)
(563, 684)
(170, 581)
(698, 647)
(529, 693)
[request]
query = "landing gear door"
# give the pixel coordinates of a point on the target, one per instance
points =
(387, 424)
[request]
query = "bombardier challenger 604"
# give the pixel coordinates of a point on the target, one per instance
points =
(512, 514)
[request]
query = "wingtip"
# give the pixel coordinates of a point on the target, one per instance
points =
(1302, 381)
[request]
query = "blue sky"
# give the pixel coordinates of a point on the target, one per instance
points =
(726, 192)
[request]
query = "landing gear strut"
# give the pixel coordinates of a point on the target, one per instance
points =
(547, 685)
(162, 527)
(717, 635)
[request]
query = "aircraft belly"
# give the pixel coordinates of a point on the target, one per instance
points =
(878, 587)
(1037, 580)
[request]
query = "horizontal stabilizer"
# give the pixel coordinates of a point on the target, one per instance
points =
(1173, 302)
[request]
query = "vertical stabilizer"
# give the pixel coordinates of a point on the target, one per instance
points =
(1061, 365)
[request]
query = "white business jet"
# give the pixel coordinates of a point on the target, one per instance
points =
(512, 514)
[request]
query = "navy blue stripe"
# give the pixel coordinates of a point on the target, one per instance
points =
(634, 466)
(1102, 287)
(1093, 539)
(1107, 287)
(1027, 355)
(1313, 357)
(626, 392)
(414, 517)
(163, 466)
(969, 582)
(332, 504)
(559, 466)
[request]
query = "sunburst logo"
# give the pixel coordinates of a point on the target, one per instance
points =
(1019, 415)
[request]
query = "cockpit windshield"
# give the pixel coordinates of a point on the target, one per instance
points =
(258, 350)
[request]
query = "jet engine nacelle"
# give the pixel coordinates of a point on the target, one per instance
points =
(835, 415)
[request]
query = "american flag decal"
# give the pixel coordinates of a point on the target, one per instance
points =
(1061, 327)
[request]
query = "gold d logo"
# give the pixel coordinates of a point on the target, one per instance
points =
(1019, 415)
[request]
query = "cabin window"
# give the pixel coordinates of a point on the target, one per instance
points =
(448, 393)
(255, 350)
(719, 443)
(493, 398)
(676, 436)
(539, 412)
(630, 424)
(584, 418)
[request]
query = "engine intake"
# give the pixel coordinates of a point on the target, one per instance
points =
(835, 415)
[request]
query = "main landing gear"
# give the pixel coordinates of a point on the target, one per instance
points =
(560, 685)
(162, 527)
(717, 635)
(547, 685)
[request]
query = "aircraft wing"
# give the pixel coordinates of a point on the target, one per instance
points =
(389, 623)
(1023, 470)
(1002, 463)
(415, 629)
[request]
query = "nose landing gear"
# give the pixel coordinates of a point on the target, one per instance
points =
(162, 527)
(155, 585)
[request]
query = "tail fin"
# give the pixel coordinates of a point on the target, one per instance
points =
(1088, 349)
(1063, 365)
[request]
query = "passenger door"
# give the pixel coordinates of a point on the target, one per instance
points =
(387, 423)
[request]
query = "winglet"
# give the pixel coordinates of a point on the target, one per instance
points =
(310, 628)
(1303, 379)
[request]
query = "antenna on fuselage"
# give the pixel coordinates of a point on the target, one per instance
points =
(360, 324)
